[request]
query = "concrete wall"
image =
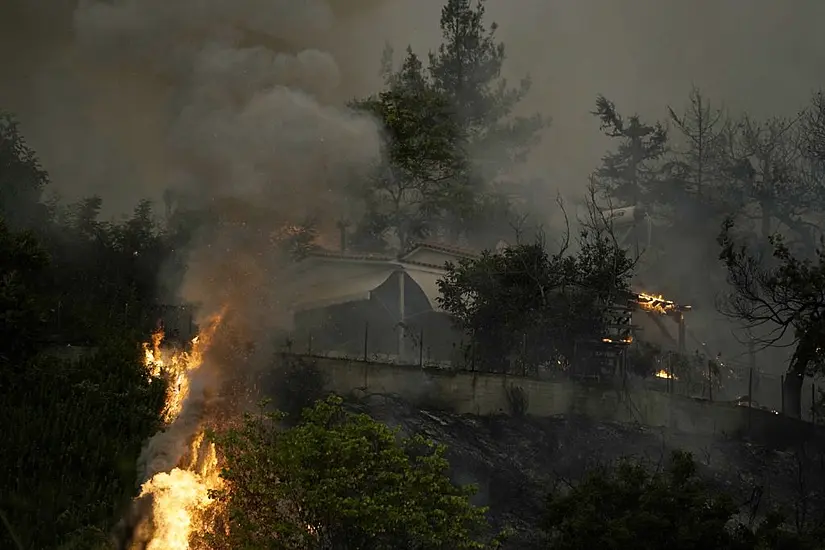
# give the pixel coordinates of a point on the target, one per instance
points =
(482, 394)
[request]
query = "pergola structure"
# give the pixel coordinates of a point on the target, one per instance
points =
(405, 285)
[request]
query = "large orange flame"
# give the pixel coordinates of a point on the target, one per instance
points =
(180, 497)
(655, 302)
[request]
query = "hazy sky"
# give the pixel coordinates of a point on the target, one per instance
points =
(100, 130)
(241, 98)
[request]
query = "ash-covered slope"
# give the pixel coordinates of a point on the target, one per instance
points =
(515, 461)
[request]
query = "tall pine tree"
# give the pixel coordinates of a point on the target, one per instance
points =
(466, 68)
(630, 174)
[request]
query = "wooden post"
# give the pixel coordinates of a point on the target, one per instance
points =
(309, 343)
(366, 340)
(813, 402)
(782, 391)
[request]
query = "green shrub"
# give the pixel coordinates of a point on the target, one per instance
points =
(71, 434)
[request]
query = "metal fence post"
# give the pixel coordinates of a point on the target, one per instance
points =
(524, 355)
(421, 348)
(750, 397)
(366, 340)
(710, 381)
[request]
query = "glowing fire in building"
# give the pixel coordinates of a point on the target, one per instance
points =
(655, 302)
(662, 373)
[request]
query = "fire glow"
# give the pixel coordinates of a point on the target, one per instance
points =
(662, 373)
(180, 497)
(656, 302)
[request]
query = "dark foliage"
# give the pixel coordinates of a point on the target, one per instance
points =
(524, 294)
(632, 173)
(298, 383)
(780, 299)
(629, 507)
(72, 434)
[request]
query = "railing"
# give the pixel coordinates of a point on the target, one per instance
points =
(731, 382)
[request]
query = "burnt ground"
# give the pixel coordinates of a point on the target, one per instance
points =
(515, 461)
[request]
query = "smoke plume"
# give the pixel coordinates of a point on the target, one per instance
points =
(126, 98)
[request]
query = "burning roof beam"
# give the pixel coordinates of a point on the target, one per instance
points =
(658, 304)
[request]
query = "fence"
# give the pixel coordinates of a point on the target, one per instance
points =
(73, 322)
(444, 348)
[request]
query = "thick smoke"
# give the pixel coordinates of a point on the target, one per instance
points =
(254, 131)
(124, 98)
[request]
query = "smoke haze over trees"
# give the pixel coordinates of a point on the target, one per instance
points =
(156, 152)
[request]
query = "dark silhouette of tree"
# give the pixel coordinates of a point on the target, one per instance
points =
(23, 268)
(767, 179)
(466, 68)
(423, 167)
(524, 293)
(780, 299)
(632, 173)
(22, 179)
(628, 506)
(814, 123)
(695, 154)
(465, 72)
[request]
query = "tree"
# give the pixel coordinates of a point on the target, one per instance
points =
(423, 166)
(465, 72)
(22, 179)
(525, 293)
(72, 432)
(695, 162)
(23, 267)
(814, 125)
(784, 298)
(340, 480)
(768, 179)
(632, 173)
(630, 507)
(466, 68)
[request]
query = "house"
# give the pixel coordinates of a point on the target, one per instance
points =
(373, 304)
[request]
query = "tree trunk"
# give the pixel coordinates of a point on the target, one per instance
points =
(792, 392)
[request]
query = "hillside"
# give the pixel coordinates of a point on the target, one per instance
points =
(514, 461)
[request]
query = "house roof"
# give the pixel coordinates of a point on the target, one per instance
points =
(326, 277)
(439, 247)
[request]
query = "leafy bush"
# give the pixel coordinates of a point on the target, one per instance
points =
(630, 507)
(71, 435)
(343, 481)
(299, 384)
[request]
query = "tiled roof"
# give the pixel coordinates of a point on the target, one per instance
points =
(439, 247)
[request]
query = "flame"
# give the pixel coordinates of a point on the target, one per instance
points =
(628, 340)
(662, 373)
(180, 497)
(655, 302)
